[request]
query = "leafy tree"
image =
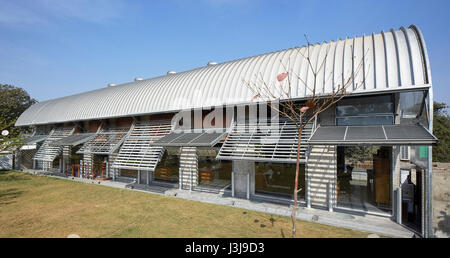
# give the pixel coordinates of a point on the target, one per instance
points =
(13, 102)
(441, 129)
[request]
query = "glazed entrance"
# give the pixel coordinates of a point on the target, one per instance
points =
(364, 178)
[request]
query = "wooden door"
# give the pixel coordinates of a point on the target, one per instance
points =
(382, 169)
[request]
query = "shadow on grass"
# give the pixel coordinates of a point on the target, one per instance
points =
(8, 196)
(8, 176)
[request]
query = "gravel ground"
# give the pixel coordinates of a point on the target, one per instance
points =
(441, 199)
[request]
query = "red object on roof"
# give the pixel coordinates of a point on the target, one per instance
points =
(282, 76)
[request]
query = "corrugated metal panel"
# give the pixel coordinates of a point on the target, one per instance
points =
(394, 60)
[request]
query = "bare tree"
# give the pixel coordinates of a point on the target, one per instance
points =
(315, 102)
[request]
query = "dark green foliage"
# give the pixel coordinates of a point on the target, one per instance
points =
(359, 154)
(13, 102)
(441, 129)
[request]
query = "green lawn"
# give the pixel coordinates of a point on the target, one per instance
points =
(37, 206)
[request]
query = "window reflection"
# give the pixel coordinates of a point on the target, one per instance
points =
(371, 110)
(366, 120)
(128, 173)
(413, 108)
(167, 169)
(212, 172)
(412, 167)
(364, 178)
(278, 179)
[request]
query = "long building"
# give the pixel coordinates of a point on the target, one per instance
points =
(206, 130)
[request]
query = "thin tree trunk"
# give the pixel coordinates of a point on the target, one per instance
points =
(297, 170)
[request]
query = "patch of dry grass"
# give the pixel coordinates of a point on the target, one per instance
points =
(35, 206)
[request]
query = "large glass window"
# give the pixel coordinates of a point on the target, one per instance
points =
(56, 162)
(413, 162)
(128, 173)
(98, 166)
(413, 108)
(371, 110)
(364, 178)
(212, 172)
(278, 179)
(168, 168)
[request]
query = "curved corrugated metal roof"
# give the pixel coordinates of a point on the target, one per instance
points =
(393, 59)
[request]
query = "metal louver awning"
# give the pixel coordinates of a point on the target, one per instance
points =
(260, 141)
(47, 152)
(192, 138)
(34, 139)
(136, 152)
(74, 139)
(372, 135)
(30, 141)
(105, 142)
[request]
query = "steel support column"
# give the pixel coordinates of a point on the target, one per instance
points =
(398, 209)
(232, 184)
(308, 192)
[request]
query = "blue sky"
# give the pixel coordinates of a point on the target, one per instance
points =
(55, 48)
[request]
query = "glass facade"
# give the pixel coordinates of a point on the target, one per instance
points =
(168, 168)
(372, 110)
(366, 120)
(74, 157)
(412, 172)
(213, 172)
(413, 107)
(364, 178)
(128, 173)
(56, 162)
(278, 179)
